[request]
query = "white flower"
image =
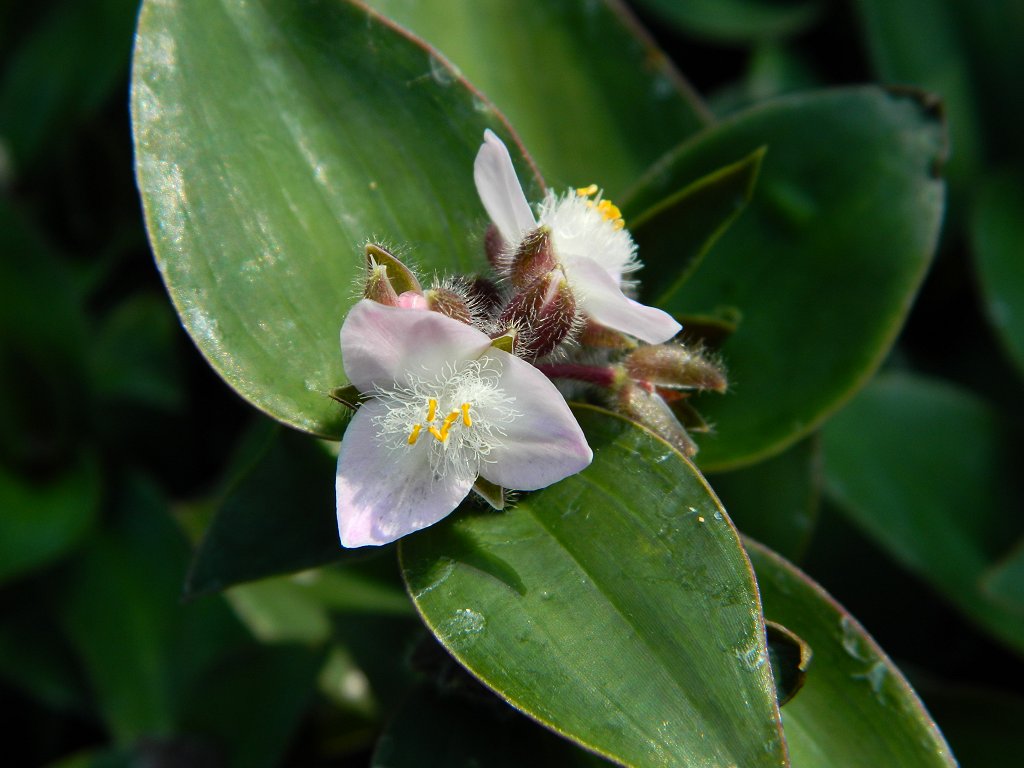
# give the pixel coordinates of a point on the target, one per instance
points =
(444, 407)
(594, 250)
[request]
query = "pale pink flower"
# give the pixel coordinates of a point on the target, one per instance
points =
(443, 407)
(593, 249)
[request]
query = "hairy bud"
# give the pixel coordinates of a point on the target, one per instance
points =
(646, 406)
(378, 287)
(544, 314)
(534, 257)
(400, 276)
(451, 301)
(674, 366)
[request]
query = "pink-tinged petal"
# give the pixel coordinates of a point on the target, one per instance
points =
(384, 493)
(500, 190)
(599, 296)
(412, 300)
(381, 345)
(543, 444)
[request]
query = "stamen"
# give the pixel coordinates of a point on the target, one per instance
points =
(465, 415)
(431, 409)
(438, 434)
(449, 420)
(587, 191)
(415, 434)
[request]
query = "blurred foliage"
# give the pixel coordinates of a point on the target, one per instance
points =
(122, 454)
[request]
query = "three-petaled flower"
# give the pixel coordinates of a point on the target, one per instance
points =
(590, 243)
(443, 407)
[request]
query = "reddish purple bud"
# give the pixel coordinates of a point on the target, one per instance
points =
(451, 302)
(544, 315)
(378, 287)
(534, 257)
(675, 367)
(400, 276)
(494, 246)
(485, 295)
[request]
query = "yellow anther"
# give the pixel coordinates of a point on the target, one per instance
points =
(431, 409)
(449, 421)
(465, 415)
(609, 210)
(438, 434)
(415, 434)
(618, 224)
(586, 191)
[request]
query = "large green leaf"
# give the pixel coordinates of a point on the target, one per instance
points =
(997, 234)
(855, 709)
(1004, 580)
(823, 263)
(922, 467)
(616, 606)
(272, 139)
(591, 95)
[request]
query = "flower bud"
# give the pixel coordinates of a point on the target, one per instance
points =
(450, 300)
(485, 296)
(674, 366)
(378, 287)
(645, 406)
(534, 257)
(400, 276)
(601, 337)
(544, 315)
(494, 247)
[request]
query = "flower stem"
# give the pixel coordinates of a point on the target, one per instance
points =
(603, 376)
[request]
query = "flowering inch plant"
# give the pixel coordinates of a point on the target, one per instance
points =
(453, 380)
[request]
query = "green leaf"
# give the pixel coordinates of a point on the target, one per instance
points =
(276, 516)
(40, 522)
(589, 92)
(923, 468)
(824, 262)
(615, 606)
(776, 501)
(272, 140)
(682, 228)
(855, 708)
(433, 730)
(736, 20)
(997, 237)
(790, 656)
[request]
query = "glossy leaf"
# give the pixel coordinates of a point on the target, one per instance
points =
(580, 80)
(776, 501)
(273, 139)
(615, 606)
(736, 20)
(921, 467)
(855, 708)
(824, 262)
(682, 228)
(40, 522)
(997, 234)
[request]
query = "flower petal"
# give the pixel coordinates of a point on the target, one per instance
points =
(380, 345)
(384, 494)
(500, 190)
(544, 444)
(600, 297)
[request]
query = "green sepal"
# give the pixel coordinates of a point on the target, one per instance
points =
(491, 493)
